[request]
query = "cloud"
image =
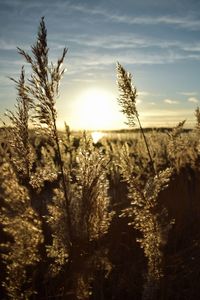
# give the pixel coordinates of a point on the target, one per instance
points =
(95, 60)
(130, 41)
(143, 93)
(138, 101)
(194, 47)
(188, 93)
(4, 45)
(147, 94)
(113, 41)
(126, 48)
(182, 22)
(193, 100)
(163, 117)
(91, 60)
(170, 101)
(185, 22)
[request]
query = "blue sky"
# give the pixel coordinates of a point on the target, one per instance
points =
(157, 41)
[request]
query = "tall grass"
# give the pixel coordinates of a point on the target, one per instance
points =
(66, 203)
(127, 99)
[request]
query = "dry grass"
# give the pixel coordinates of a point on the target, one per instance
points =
(66, 204)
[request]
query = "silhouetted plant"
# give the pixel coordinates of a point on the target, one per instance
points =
(127, 100)
(90, 201)
(149, 218)
(89, 208)
(177, 145)
(43, 89)
(197, 115)
(22, 154)
(23, 228)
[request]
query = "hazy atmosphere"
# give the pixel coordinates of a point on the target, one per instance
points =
(157, 41)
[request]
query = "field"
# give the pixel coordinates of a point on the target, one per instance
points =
(110, 186)
(116, 218)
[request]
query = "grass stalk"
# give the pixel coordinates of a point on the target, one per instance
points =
(127, 100)
(43, 90)
(60, 163)
(147, 146)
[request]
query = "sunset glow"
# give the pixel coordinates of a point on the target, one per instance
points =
(96, 109)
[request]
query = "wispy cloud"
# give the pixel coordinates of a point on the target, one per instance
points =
(193, 100)
(128, 41)
(187, 22)
(95, 59)
(182, 22)
(170, 101)
(5, 45)
(194, 47)
(163, 117)
(126, 48)
(188, 93)
(175, 112)
(144, 93)
(97, 8)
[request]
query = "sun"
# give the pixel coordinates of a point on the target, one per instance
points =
(96, 109)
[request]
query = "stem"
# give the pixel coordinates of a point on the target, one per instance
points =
(146, 144)
(63, 180)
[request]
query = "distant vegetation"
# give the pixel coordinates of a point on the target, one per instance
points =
(118, 219)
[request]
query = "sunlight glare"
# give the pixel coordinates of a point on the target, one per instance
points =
(96, 109)
(97, 135)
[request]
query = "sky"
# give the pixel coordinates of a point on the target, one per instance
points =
(157, 41)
